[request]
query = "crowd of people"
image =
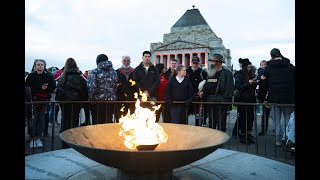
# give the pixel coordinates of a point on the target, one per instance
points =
(274, 79)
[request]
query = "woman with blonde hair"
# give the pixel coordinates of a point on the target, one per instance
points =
(179, 88)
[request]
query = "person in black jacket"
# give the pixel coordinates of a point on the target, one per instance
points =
(179, 88)
(245, 82)
(125, 89)
(218, 88)
(41, 84)
(196, 74)
(71, 87)
(170, 71)
(147, 78)
(280, 75)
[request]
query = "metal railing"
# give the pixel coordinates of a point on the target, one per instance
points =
(264, 145)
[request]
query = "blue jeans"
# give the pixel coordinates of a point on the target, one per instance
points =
(54, 109)
(276, 112)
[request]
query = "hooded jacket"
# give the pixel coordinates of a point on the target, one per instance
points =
(280, 76)
(102, 83)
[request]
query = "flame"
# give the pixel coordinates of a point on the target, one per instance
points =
(132, 82)
(140, 128)
(144, 97)
(122, 109)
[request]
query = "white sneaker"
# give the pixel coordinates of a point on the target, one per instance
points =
(32, 144)
(39, 143)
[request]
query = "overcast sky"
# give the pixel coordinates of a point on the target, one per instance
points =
(82, 29)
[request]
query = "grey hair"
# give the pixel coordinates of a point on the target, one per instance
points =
(126, 57)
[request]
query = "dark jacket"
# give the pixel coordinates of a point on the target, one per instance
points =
(147, 81)
(281, 81)
(125, 90)
(225, 89)
(176, 91)
(35, 82)
(74, 88)
(263, 87)
(247, 90)
(168, 74)
(196, 77)
(102, 83)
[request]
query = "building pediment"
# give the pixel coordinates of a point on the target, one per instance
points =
(179, 44)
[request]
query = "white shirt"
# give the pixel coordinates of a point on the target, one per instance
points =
(179, 79)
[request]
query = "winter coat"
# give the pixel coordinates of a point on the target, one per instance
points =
(162, 87)
(225, 89)
(168, 74)
(247, 90)
(280, 76)
(35, 82)
(147, 81)
(196, 77)
(74, 88)
(57, 74)
(102, 82)
(125, 90)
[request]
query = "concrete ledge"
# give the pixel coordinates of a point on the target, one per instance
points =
(221, 164)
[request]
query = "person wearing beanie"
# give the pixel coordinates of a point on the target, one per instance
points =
(280, 77)
(101, 57)
(245, 83)
(102, 86)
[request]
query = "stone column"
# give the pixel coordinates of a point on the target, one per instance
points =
(161, 58)
(206, 58)
(155, 59)
(176, 57)
(183, 59)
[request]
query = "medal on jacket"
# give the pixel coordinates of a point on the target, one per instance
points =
(212, 80)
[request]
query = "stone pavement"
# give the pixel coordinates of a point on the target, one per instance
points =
(264, 147)
(220, 164)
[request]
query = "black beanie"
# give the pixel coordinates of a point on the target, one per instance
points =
(244, 62)
(101, 57)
